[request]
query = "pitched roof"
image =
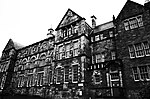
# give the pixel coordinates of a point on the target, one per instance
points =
(69, 17)
(128, 8)
(12, 44)
(104, 26)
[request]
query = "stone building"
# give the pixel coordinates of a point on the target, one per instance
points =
(105, 68)
(72, 55)
(109, 60)
(133, 46)
(7, 62)
(34, 68)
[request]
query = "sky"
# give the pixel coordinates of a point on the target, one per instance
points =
(28, 21)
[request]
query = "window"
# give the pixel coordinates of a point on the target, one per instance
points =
(141, 73)
(110, 33)
(133, 22)
(146, 48)
(40, 79)
(135, 73)
(66, 74)
(101, 36)
(113, 55)
(59, 75)
(75, 48)
(75, 73)
(115, 76)
(3, 82)
(92, 39)
(69, 32)
(67, 50)
(144, 72)
(140, 22)
(131, 51)
(126, 25)
(30, 80)
(139, 50)
(50, 77)
(99, 58)
(97, 38)
(97, 77)
(65, 33)
(60, 52)
(76, 29)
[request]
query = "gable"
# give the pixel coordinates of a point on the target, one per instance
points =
(9, 45)
(130, 9)
(68, 18)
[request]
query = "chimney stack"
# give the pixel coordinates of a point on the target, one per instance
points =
(93, 21)
(50, 34)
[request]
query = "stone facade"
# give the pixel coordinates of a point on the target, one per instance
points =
(110, 60)
(133, 32)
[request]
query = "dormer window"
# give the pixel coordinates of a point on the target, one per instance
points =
(97, 38)
(133, 22)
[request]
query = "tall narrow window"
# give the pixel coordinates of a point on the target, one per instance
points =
(97, 38)
(60, 52)
(113, 55)
(126, 25)
(133, 23)
(76, 29)
(59, 75)
(140, 22)
(40, 79)
(66, 73)
(69, 32)
(101, 36)
(75, 48)
(135, 73)
(50, 77)
(139, 50)
(75, 73)
(67, 50)
(146, 48)
(65, 33)
(110, 33)
(144, 72)
(131, 51)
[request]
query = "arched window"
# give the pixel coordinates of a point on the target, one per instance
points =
(97, 77)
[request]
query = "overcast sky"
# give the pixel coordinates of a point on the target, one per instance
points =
(28, 21)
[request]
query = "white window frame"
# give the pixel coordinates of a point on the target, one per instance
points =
(73, 81)
(75, 48)
(60, 53)
(126, 25)
(133, 22)
(97, 38)
(66, 75)
(138, 73)
(58, 75)
(67, 51)
(139, 49)
(131, 51)
(143, 73)
(146, 48)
